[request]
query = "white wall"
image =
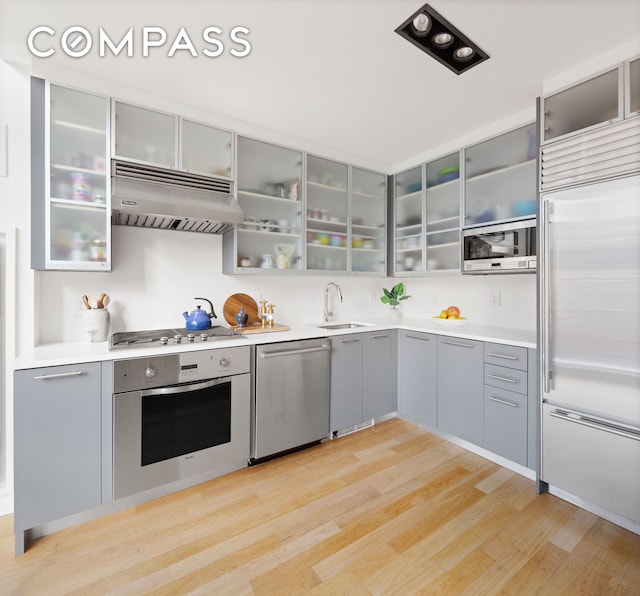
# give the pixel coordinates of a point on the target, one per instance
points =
(157, 273)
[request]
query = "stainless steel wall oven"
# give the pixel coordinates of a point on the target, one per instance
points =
(179, 416)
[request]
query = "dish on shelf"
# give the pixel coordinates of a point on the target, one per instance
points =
(522, 208)
(414, 187)
(448, 174)
(450, 322)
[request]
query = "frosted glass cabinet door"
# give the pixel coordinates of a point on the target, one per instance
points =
(145, 135)
(501, 177)
(633, 79)
(205, 149)
(270, 195)
(408, 221)
(581, 106)
(75, 210)
(368, 221)
(327, 214)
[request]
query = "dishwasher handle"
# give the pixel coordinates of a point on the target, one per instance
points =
(322, 348)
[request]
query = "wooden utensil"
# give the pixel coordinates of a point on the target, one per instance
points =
(85, 301)
(105, 301)
(234, 303)
(100, 301)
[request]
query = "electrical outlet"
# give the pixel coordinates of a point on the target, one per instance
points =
(495, 298)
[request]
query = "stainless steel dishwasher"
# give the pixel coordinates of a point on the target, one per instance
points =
(291, 398)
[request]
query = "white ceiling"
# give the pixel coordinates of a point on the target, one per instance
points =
(333, 73)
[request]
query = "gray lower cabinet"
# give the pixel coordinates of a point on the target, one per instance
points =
(506, 388)
(57, 439)
(363, 377)
(417, 376)
(460, 388)
(379, 367)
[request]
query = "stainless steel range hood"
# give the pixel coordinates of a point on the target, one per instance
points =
(153, 197)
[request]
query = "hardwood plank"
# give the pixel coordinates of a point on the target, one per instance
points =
(390, 509)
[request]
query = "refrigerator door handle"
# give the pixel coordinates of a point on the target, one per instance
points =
(545, 290)
(597, 424)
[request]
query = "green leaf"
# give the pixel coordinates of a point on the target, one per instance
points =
(398, 289)
(387, 293)
(404, 297)
(384, 299)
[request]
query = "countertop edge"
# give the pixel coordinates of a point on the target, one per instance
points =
(65, 353)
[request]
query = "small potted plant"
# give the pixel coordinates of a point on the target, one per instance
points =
(394, 296)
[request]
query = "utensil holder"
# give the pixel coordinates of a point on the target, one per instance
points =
(96, 324)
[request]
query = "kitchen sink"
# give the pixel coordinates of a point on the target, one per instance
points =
(342, 325)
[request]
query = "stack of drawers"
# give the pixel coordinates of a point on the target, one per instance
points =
(505, 401)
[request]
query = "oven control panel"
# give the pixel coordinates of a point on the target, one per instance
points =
(134, 374)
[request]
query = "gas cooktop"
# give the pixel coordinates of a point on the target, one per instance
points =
(168, 337)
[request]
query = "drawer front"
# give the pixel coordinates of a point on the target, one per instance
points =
(510, 379)
(505, 424)
(501, 355)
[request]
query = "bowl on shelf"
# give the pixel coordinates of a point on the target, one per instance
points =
(414, 187)
(523, 208)
(450, 322)
(447, 174)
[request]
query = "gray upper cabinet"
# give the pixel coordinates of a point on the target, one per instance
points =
(169, 141)
(583, 106)
(57, 422)
(460, 388)
(379, 373)
(417, 377)
(408, 224)
(500, 182)
(70, 187)
(145, 135)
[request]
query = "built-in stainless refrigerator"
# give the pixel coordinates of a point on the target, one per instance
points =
(590, 336)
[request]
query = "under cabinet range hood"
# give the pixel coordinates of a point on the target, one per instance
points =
(153, 197)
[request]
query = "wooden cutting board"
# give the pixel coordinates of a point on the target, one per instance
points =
(258, 328)
(234, 303)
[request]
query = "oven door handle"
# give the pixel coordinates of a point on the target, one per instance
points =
(184, 388)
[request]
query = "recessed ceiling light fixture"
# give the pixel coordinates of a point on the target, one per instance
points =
(433, 34)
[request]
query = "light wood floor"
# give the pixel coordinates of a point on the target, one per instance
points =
(388, 510)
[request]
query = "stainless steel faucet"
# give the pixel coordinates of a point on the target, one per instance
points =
(327, 312)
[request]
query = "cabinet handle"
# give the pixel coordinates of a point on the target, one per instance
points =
(505, 356)
(502, 401)
(350, 340)
(505, 379)
(456, 343)
(379, 336)
(75, 373)
(418, 338)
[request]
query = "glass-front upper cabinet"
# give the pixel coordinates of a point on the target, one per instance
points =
(206, 150)
(327, 214)
(368, 221)
(408, 221)
(170, 141)
(70, 185)
(501, 177)
(593, 102)
(269, 192)
(145, 135)
(442, 219)
(633, 87)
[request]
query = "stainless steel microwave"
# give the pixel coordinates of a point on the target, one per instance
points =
(501, 248)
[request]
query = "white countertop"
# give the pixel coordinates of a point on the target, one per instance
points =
(56, 354)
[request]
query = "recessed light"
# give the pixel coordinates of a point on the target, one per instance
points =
(442, 40)
(433, 34)
(463, 54)
(421, 24)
